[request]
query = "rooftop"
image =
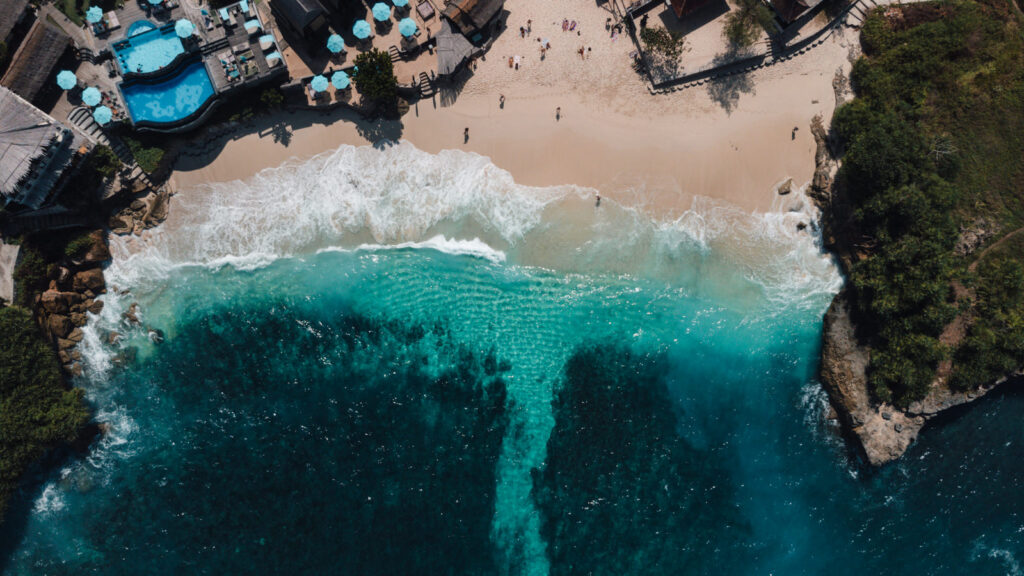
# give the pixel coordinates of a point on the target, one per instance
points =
(35, 59)
(27, 137)
(10, 15)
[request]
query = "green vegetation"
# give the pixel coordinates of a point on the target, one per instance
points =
(147, 157)
(933, 144)
(668, 45)
(743, 25)
(79, 246)
(376, 81)
(75, 9)
(37, 411)
(39, 261)
(272, 98)
(103, 162)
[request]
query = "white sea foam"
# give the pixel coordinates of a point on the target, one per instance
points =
(401, 197)
(474, 248)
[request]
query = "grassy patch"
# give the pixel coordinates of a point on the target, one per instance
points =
(934, 142)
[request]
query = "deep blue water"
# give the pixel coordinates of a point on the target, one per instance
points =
(534, 402)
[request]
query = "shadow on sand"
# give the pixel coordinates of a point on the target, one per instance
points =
(378, 132)
(725, 90)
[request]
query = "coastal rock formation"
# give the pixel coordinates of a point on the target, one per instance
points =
(61, 311)
(882, 432)
(142, 214)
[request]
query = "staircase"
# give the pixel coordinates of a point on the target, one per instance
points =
(81, 118)
(859, 12)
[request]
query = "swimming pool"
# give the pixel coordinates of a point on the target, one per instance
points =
(171, 100)
(148, 50)
(138, 27)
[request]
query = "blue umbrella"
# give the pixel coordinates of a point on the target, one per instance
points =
(102, 115)
(155, 2)
(94, 14)
(361, 29)
(335, 44)
(407, 27)
(319, 83)
(91, 96)
(340, 80)
(184, 28)
(67, 80)
(400, 3)
(381, 11)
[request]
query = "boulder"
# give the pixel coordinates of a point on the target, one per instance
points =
(78, 319)
(76, 335)
(64, 344)
(99, 253)
(55, 302)
(91, 279)
(93, 306)
(59, 325)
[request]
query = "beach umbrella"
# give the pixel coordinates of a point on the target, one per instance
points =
(361, 29)
(184, 28)
(102, 115)
(400, 3)
(66, 79)
(319, 83)
(340, 80)
(381, 11)
(94, 14)
(407, 27)
(155, 2)
(335, 44)
(91, 96)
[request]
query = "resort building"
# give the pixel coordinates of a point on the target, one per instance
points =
(33, 63)
(34, 151)
(176, 71)
(306, 19)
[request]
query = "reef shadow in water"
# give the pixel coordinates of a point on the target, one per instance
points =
(622, 492)
(306, 446)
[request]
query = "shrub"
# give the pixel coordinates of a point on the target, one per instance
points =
(103, 162)
(744, 24)
(147, 157)
(667, 44)
(271, 98)
(37, 411)
(375, 80)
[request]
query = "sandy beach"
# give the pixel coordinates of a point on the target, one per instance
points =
(731, 140)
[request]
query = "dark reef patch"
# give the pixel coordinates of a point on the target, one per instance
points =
(302, 445)
(622, 492)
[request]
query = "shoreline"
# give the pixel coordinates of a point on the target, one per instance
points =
(654, 151)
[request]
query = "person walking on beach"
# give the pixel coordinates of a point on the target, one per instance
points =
(558, 115)
(501, 101)
(465, 135)
(529, 26)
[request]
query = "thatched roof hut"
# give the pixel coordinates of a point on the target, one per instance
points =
(33, 63)
(471, 17)
(13, 11)
(34, 150)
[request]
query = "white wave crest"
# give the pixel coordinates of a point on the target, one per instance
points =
(363, 198)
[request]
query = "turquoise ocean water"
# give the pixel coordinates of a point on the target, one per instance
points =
(390, 362)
